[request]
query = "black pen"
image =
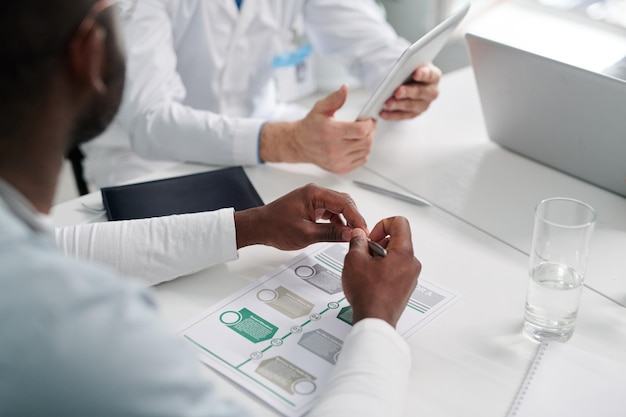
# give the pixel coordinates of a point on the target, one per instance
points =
(379, 250)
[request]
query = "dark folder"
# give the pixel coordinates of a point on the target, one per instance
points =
(206, 191)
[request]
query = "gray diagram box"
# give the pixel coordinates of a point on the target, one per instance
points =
(427, 296)
(322, 344)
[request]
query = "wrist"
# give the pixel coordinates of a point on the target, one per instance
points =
(374, 310)
(247, 228)
(278, 142)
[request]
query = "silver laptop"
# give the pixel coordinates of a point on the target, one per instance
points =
(563, 116)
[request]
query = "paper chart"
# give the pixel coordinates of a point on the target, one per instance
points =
(280, 336)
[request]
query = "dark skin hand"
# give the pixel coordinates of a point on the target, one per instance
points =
(380, 287)
(304, 216)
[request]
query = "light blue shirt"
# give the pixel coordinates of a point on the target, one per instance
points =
(77, 340)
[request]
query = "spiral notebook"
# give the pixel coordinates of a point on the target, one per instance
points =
(206, 191)
(564, 380)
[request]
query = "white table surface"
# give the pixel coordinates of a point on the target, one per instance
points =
(470, 360)
(446, 156)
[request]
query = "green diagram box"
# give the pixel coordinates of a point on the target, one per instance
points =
(345, 315)
(249, 325)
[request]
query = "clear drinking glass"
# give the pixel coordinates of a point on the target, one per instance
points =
(558, 260)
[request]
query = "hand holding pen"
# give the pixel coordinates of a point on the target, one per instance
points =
(377, 286)
(377, 248)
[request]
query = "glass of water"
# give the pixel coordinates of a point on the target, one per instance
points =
(558, 260)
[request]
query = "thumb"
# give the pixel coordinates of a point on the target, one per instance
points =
(358, 241)
(332, 102)
(330, 232)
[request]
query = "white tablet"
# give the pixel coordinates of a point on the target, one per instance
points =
(424, 50)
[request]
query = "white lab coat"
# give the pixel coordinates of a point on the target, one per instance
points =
(200, 77)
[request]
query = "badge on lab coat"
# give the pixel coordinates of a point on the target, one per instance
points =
(293, 72)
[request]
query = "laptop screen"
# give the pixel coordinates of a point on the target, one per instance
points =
(560, 115)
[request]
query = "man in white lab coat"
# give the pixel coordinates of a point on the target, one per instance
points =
(202, 85)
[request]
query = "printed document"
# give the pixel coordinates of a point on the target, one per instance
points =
(280, 336)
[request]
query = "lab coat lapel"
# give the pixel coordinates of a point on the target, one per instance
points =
(235, 73)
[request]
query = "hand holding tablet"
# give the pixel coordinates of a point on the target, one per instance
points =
(413, 97)
(423, 51)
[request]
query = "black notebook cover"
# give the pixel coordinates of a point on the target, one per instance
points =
(206, 191)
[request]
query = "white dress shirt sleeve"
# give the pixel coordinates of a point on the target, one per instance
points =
(355, 34)
(159, 125)
(157, 249)
(371, 375)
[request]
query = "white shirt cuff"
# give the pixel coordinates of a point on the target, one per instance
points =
(246, 141)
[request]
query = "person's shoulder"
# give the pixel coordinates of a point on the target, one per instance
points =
(60, 320)
(39, 284)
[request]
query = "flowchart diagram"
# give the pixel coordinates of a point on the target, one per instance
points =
(280, 336)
